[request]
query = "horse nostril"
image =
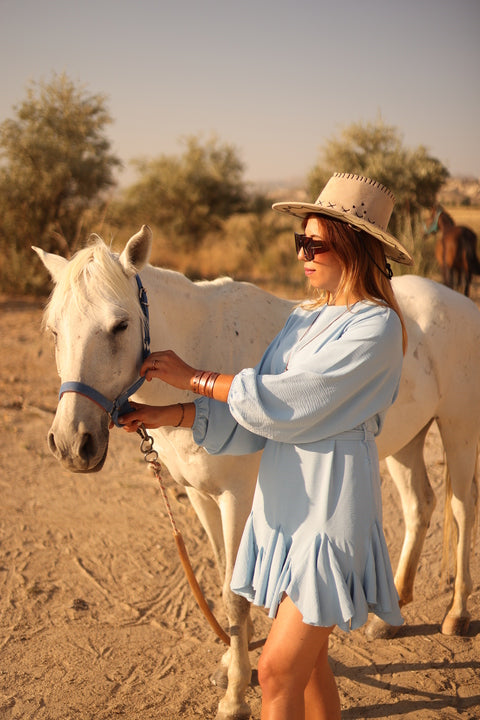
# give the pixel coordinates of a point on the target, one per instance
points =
(51, 443)
(86, 449)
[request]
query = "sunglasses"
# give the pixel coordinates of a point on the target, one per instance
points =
(310, 246)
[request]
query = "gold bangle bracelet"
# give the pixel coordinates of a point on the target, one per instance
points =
(210, 384)
(203, 382)
(182, 407)
(196, 380)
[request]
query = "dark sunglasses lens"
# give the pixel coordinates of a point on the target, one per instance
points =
(308, 250)
(298, 242)
(303, 241)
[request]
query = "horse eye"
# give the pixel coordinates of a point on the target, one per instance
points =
(121, 327)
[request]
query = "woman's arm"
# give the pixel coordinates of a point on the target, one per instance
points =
(153, 416)
(167, 366)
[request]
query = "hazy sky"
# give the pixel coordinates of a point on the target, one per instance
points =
(275, 78)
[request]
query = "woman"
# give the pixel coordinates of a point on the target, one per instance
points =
(313, 549)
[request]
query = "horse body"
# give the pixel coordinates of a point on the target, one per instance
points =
(455, 250)
(225, 325)
(439, 382)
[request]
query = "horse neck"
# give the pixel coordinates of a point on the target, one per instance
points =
(445, 221)
(177, 310)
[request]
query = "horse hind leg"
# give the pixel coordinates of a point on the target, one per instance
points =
(471, 261)
(408, 471)
(461, 458)
(467, 273)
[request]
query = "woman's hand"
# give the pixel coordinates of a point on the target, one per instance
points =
(167, 366)
(151, 416)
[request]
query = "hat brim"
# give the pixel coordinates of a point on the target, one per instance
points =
(393, 249)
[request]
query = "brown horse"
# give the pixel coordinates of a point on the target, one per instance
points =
(455, 249)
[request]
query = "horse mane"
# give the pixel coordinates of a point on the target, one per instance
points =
(93, 278)
(446, 216)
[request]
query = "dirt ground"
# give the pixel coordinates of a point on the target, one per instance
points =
(96, 619)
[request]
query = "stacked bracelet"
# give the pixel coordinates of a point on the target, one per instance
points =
(182, 407)
(203, 382)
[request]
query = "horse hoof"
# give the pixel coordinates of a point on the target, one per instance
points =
(377, 629)
(242, 713)
(456, 625)
(220, 678)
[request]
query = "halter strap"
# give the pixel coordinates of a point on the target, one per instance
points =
(434, 226)
(142, 296)
(120, 405)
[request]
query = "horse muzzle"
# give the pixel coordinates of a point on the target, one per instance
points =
(79, 446)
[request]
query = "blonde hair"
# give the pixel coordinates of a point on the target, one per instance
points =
(92, 278)
(362, 259)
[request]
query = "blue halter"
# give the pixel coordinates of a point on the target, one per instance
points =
(434, 226)
(120, 405)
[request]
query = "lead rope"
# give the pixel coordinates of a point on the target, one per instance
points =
(150, 456)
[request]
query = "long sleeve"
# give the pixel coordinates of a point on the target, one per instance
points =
(334, 384)
(216, 430)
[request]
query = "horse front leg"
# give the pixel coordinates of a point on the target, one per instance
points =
(208, 513)
(450, 277)
(408, 471)
(461, 459)
(236, 660)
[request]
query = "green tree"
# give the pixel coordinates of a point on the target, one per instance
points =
(55, 162)
(376, 150)
(188, 195)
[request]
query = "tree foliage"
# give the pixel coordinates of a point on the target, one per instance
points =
(187, 195)
(376, 150)
(55, 161)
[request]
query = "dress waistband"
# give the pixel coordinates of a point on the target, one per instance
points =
(363, 432)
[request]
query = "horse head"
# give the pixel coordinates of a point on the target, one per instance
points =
(439, 220)
(96, 319)
(431, 224)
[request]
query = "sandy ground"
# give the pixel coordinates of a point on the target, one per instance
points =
(96, 619)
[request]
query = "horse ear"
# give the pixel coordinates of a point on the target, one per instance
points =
(137, 251)
(55, 264)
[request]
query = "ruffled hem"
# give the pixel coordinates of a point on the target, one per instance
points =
(323, 592)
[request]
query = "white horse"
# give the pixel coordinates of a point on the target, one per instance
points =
(95, 317)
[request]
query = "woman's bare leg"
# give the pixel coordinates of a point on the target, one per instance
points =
(293, 670)
(321, 694)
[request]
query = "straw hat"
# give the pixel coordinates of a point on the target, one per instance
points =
(362, 203)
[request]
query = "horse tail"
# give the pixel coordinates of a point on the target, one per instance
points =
(470, 248)
(450, 532)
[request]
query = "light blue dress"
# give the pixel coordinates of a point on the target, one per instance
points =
(314, 404)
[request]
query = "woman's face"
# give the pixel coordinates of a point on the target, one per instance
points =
(324, 271)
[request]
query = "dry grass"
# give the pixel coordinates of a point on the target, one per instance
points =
(251, 248)
(469, 216)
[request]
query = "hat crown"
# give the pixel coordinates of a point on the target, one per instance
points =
(358, 196)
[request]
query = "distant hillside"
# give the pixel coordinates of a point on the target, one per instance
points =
(460, 191)
(456, 191)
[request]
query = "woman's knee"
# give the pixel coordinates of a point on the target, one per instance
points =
(270, 672)
(275, 674)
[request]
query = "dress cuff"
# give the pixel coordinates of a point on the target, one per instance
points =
(200, 424)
